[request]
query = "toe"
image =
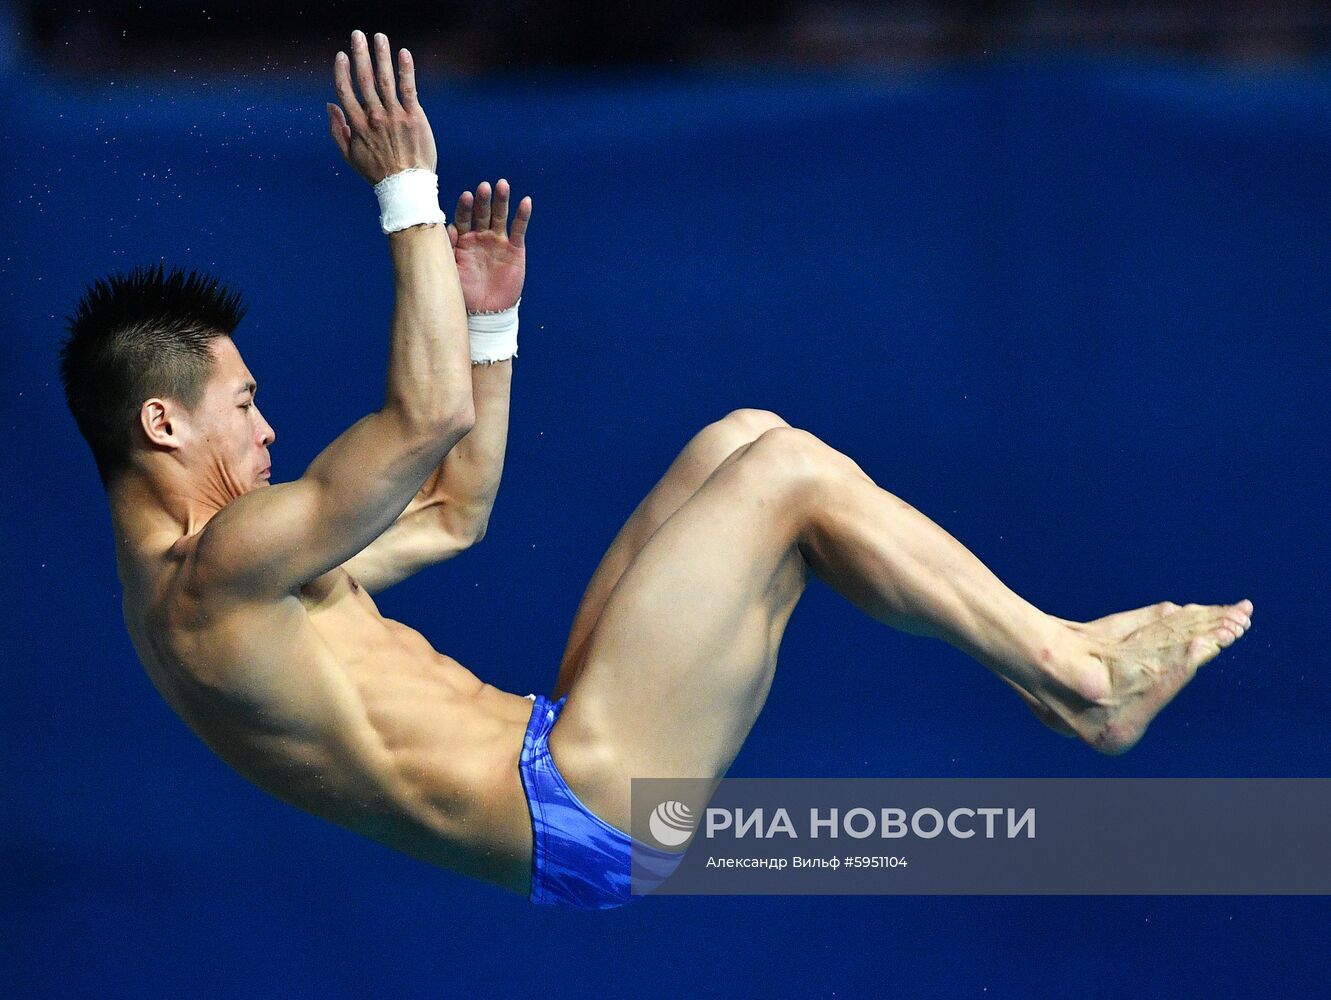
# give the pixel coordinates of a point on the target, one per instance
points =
(1202, 649)
(1237, 614)
(1228, 616)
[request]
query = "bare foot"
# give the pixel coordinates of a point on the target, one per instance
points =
(1123, 624)
(1144, 658)
(1111, 627)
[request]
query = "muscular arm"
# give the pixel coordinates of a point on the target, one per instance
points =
(450, 512)
(272, 540)
(452, 509)
(468, 479)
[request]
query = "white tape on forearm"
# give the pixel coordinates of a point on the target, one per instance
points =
(408, 198)
(493, 335)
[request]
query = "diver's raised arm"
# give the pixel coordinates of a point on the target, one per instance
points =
(273, 540)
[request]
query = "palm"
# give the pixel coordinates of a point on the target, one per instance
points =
(491, 259)
(492, 270)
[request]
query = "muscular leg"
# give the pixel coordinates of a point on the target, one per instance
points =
(698, 460)
(680, 660)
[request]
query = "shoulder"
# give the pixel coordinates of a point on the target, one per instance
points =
(198, 634)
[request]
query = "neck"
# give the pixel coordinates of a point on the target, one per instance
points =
(143, 505)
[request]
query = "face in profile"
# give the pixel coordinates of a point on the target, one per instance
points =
(226, 446)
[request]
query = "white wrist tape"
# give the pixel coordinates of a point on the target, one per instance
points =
(493, 335)
(408, 198)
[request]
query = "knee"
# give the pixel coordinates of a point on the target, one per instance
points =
(796, 457)
(790, 456)
(749, 423)
(720, 439)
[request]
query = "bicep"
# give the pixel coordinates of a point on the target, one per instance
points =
(276, 538)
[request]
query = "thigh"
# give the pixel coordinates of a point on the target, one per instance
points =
(704, 453)
(679, 662)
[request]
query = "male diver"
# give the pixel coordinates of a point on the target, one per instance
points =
(250, 605)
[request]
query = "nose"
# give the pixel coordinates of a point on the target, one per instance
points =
(266, 433)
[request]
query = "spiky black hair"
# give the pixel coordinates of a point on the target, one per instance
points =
(135, 336)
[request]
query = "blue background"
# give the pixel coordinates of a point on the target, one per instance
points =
(1075, 310)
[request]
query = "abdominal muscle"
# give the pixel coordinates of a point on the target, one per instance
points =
(353, 717)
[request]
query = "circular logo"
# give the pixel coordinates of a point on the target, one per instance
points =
(671, 823)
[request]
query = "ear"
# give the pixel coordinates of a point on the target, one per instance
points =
(161, 423)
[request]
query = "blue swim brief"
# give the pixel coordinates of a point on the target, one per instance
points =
(578, 859)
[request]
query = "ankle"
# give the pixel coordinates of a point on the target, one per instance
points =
(1071, 665)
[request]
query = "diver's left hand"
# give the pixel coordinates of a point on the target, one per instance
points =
(491, 257)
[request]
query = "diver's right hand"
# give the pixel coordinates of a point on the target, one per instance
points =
(379, 135)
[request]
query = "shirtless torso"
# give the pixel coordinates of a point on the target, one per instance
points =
(337, 710)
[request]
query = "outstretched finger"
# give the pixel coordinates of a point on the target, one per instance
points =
(520, 219)
(360, 61)
(499, 213)
(345, 95)
(406, 80)
(383, 71)
(481, 217)
(462, 215)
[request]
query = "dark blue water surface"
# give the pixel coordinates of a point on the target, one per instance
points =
(1075, 311)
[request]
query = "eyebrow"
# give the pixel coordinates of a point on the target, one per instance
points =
(248, 387)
